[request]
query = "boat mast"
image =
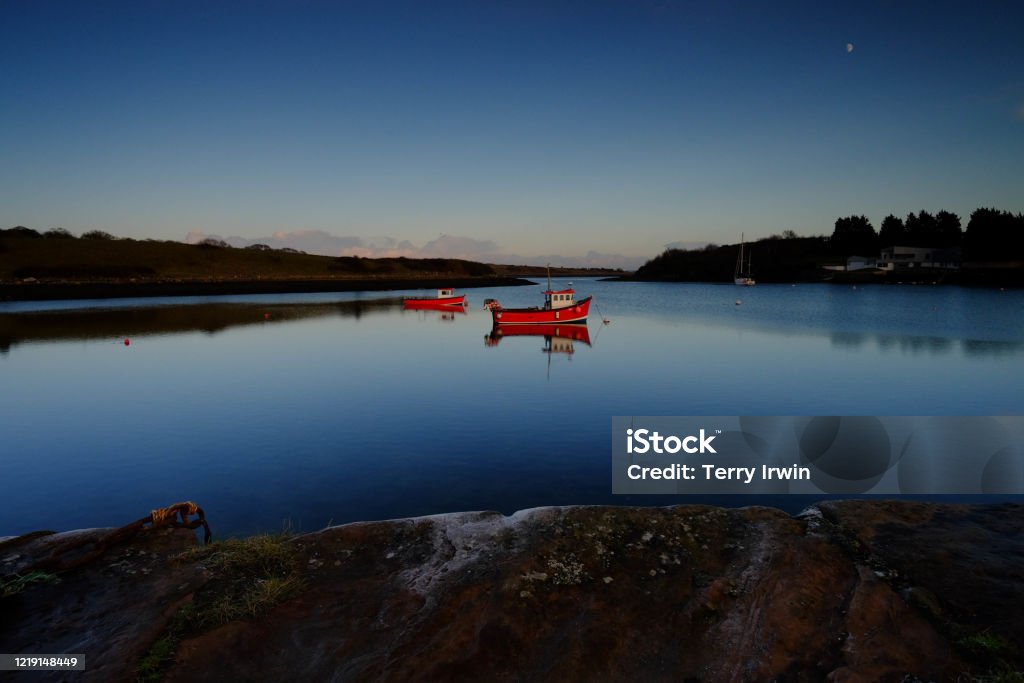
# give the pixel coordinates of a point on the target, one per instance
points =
(739, 260)
(743, 269)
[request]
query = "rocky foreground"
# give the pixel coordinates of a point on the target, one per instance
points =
(847, 591)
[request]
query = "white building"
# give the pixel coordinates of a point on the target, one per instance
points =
(902, 258)
(861, 262)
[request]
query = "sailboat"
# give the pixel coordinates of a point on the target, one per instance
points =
(743, 276)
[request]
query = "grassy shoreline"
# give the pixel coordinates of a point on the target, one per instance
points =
(33, 268)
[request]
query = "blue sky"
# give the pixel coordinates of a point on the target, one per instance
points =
(516, 128)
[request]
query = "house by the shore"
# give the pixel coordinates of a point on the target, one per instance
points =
(861, 262)
(897, 258)
(905, 258)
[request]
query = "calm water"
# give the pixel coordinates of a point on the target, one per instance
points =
(313, 409)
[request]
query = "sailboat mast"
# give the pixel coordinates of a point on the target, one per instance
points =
(739, 260)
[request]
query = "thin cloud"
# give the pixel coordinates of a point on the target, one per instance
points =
(453, 246)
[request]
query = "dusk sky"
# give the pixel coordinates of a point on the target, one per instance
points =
(516, 128)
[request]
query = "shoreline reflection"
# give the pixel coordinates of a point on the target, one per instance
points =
(142, 321)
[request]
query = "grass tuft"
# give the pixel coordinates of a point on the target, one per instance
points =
(248, 578)
(994, 653)
(18, 583)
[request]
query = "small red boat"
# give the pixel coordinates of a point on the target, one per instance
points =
(445, 298)
(560, 306)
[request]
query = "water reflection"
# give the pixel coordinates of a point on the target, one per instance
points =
(915, 344)
(444, 312)
(212, 318)
(557, 338)
(848, 340)
(982, 348)
(294, 407)
(921, 345)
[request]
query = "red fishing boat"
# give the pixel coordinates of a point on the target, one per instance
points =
(445, 298)
(560, 306)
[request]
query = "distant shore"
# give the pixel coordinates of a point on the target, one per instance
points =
(45, 291)
(35, 267)
(1010, 276)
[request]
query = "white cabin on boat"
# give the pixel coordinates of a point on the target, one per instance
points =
(445, 293)
(559, 298)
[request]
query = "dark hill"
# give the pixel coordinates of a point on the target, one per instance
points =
(773, 260)
(56, 265)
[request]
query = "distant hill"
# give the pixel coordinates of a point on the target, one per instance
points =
(102, 257)
(58, 265)
(794, 259)
(105, 258)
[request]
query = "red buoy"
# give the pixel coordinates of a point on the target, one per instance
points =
(127, 342)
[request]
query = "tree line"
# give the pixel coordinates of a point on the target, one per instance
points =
(991, 234)
(991, 239)
(22, 232)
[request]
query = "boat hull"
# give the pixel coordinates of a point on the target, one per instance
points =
(577, 313)
(435, 302)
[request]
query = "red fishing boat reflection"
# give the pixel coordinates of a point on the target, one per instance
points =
(445, 312)
(557, 338)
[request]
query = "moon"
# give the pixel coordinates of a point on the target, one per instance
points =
(849, 48)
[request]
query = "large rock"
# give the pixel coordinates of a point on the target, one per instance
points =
(111, 609)
(850, 591)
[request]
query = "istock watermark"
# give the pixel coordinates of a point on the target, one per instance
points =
(647, 440)
(883, 455)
